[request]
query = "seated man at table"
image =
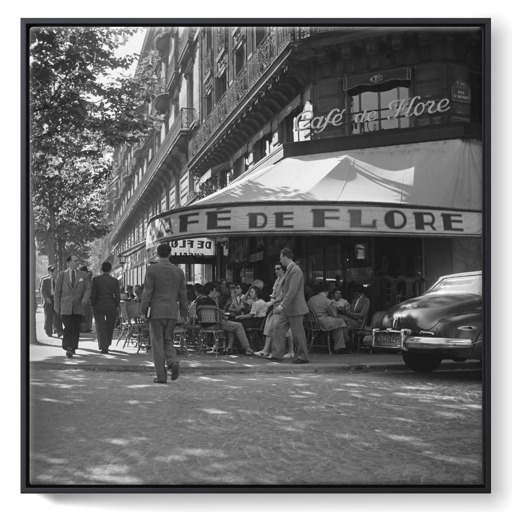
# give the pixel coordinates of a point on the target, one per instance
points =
(211, 294)
(327, 316)
(358, 309)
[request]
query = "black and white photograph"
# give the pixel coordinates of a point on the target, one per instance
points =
(257, 255)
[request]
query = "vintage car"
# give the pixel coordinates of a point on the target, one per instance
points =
(443, 323)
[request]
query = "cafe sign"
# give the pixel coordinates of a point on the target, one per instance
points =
(408, 107)
(316, 218)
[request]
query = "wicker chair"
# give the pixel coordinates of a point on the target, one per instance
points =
(210, 328)
(315, 335)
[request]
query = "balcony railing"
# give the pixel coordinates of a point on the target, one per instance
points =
(265, 54)
(181, 125)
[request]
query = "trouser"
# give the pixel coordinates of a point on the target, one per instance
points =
(57, 323)
(105, 321)
(161, 331)
(48, 318)
(71, 331)
(238, 329)
(281, 324)
(338, 335)
(86, 325)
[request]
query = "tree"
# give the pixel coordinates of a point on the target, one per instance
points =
(81, 105)
(80, 108)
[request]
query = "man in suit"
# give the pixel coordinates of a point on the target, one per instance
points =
(47, 287)
(105, 298)
(164, 287)
(327, 315)
(291, 311)
(358, 309)
(72, 293)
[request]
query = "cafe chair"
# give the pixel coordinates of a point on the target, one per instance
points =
(138, 329)
(315, 335)
(255, 334)
(210, 329)
(361, 338)
(180, 336)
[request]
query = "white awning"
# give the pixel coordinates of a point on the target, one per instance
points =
(428, 189)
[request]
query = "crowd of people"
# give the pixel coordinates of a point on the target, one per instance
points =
(73, 297)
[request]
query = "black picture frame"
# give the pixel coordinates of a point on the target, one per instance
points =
(27, 276)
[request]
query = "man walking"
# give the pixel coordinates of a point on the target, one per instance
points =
(47, 287)
(105, 298)
(291, 311)
(72, 293)
(164, 287)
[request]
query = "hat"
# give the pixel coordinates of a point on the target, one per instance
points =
(51, 268)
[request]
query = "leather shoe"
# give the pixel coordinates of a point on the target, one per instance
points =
(104, 350)
(69, 353)
(299, 361)
(156, 381)
(175, 370)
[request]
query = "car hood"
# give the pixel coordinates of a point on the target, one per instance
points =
(425, 312)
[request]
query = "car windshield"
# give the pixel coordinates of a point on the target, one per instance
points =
(458, 284)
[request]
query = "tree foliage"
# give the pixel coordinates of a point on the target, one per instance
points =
(81, 104)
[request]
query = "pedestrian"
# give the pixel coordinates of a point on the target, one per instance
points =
(47, 287)
(105, 298)
(72, 293)
(327, 315)
(164, 288)
(291, 311)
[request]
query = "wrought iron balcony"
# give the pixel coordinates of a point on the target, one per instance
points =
(270, 48)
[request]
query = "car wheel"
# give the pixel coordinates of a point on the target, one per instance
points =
(421, 362)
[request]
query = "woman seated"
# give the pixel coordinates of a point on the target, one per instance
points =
(258, 309)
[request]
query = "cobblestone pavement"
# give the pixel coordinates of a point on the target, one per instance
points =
(388, 428)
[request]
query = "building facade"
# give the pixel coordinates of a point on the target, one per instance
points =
(358, 147)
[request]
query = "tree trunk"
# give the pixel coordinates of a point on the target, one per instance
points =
(51, 236)
(31, 250)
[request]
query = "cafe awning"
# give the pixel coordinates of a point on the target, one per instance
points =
(427, 189)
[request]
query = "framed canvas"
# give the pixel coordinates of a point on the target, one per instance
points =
(341, 167)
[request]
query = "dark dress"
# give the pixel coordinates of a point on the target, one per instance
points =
(105, 297)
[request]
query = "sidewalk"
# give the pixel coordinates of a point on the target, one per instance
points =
(48, 354)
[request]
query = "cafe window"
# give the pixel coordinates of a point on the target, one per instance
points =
(370, 110)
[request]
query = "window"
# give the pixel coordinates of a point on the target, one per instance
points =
(220, 86)
(261, 32)
(208, 104)
(262, 147)
(239, 58)
(370, 110)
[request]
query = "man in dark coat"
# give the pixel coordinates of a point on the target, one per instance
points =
(51, 319)
(164, 287)
(105, 298)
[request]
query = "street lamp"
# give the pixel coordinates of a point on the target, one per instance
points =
(122, 259)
